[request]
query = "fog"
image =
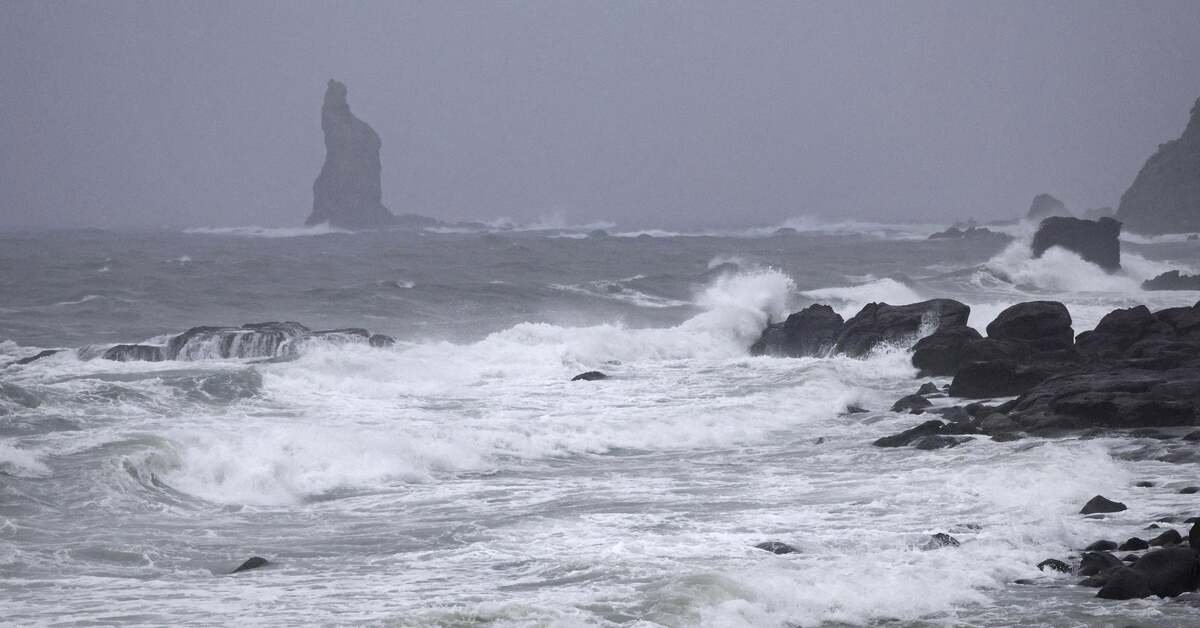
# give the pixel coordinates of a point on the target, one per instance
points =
(647, 114)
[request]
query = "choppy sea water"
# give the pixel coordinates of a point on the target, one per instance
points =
(459, 479)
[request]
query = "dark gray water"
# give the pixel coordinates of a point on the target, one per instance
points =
(458, 478)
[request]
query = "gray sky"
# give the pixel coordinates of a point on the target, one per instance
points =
(647, 113)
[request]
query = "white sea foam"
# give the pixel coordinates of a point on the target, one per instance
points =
(268, 232)
(848, 300)
(21, 462)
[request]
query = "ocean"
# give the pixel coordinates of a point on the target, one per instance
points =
(460, 478)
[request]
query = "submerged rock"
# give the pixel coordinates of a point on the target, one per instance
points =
(45, 353)
(254, 562)
(912, 404)
(940, 540)
(1096, 241)
(1165, 195)
(590, 376)
(1054, 564)
(134, 353)
(776, 547)
(908, 436)
(347, 194)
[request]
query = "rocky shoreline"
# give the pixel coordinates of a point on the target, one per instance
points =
(1138, 371)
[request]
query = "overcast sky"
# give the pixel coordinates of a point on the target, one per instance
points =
(645, 113)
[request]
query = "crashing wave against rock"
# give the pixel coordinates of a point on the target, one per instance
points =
(253, 340)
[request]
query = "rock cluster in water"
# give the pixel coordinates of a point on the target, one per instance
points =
(253, 340)
(1097, 241)
(348, 194)
(970, 233)
(818, 331)
(1165, 195)
(1172, 280)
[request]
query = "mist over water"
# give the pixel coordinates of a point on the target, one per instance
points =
(459, 477)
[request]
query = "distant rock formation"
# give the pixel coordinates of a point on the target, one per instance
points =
(1165, 196)
(1172, 280)
(1094, 240)
(970, 233)
(347, 194)
(1044, 206)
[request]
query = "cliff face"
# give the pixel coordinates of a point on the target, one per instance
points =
(347, 193)
(1165, 196)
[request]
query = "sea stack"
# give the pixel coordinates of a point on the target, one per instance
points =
(1044, 206)
(1097, 241)
(1165, 196)
(347, 194)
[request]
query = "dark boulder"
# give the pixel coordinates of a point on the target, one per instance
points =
(879, 323)
(1102, 546)
(1121, 329)
(1189, 490)
(1040, 325)
(776, 547)
(1172, 280)
(1096, 241)
(944, 351)
(1101, 503)
(929, 388)
(997, 378)
(908, 436)
(1125, 584)
(1170, 537)
(1092, 563)
(811, 332)
(1134, 544)
(1121, 396)
(589, 376)
(912, 404)
(935, 441)
(134, 353)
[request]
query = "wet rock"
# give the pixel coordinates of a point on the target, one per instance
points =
(879, 323)
(134, 353)
(1125, 584)
(940, 540)
(254, 562)
(928, 388)
(1054, 564)
(253, 340)
(1092, 563)
(811, 332)
(1101, 546)
(935, 441)
(997, 378)
(908, 436)
(1130, 558)
(996, 423)
(45, 353)
(1119, 330)
(589, 376)
(1040, 325)
(1006, 437)
(1192, 437)
(1189, 490)
(853, 409)
(1144, 484)
(381, 341)
(1100, 503)
(1134, 544)
(1172, 280)
(912, 404)
(776, 547)
(1096, 241)
(943, 352)
(1170, 537)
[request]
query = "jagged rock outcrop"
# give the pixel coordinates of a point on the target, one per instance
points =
(879, 323)
(1172, 280)
(1044, 206)
(971, 233)
(811, 332)
(1165, 195)
(348, 194)
(1096, 241)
